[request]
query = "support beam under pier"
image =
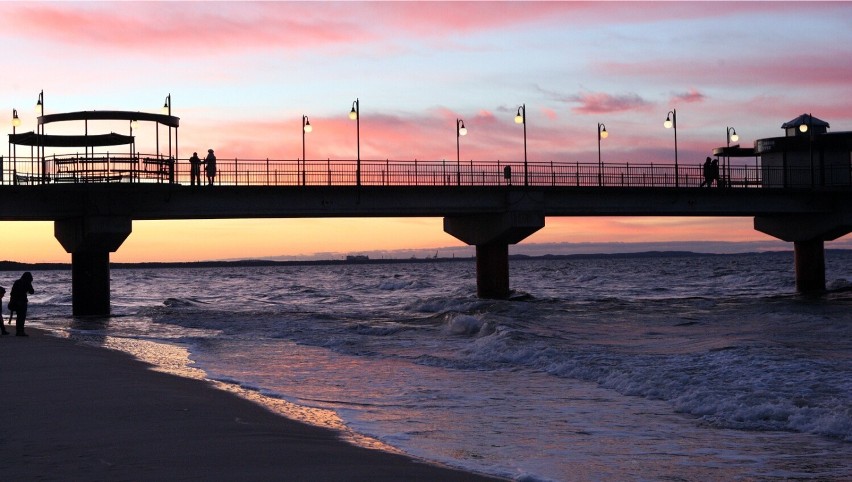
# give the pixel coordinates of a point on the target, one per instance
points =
(492, 271)
(808, 234)
(810, 265)
(492, 234)
(90, 239)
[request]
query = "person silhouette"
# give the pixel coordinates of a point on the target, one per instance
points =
(210, 166)
(194, 170)
(3, 328)
(18, 301)
(714, 172)
(707, 172)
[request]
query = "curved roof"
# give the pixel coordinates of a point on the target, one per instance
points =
(100, 140)
(168, 120)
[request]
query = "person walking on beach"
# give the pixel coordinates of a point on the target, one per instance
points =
(210, 166)
(18, 301)
(3, 328)
(194, 170)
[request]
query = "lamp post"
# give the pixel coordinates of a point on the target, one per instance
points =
(730, 136)
(16, 121)
(461, 130)
(133, 124)
(671, 122)
(39, 108)
(602, 134)
(521, 118)
(167, 110)
(306, 127)
(355, 114)
(808, 127)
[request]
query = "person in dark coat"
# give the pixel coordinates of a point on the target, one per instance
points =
(714, 172)
(18, 301)
(707, 171)
(194, 170)
(210, 166)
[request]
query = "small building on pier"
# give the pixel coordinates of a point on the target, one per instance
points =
(806, 156)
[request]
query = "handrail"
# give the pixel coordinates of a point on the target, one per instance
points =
(151, 168)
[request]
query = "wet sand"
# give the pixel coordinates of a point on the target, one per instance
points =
(76, 412)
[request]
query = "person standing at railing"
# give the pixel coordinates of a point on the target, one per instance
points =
(707, 171)
(210, 166)
(714, 172)
(194, 170)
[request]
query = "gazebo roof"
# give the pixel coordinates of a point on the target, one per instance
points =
(100, 140)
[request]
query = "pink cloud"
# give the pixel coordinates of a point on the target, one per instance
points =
(599, 102)
(688, 97)
(195, 27)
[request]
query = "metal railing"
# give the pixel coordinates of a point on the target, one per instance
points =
(141, 168)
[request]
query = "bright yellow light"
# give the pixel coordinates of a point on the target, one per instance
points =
(38, 108)
(604, 134)
(519, 119)
(803, 128)
(308, 126)
(668, 123)
(734, 137)
(352, 114)
(462, 131)
(16, 121)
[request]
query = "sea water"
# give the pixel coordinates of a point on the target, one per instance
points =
(619, 368)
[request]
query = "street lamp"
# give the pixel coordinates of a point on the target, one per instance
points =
(167, 106)
(602, 134)
(306, 127)
(355, 114)
(167, 110)
(133, 125)
(461, 130)
(521, 118)
(16, 121)
(39, 108)
(808, 127)
(671, 122)
(730, 136)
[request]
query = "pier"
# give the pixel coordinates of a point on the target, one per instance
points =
(801, 193)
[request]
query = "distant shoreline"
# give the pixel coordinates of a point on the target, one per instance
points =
(17, 266)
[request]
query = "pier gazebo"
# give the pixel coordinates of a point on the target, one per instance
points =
(94, 164)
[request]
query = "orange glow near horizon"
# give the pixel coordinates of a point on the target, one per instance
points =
(204, 240)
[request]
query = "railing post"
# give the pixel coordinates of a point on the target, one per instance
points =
(328, 166)
(416, 175)
(552, 175)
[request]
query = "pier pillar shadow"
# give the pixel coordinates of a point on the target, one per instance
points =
(90, 239)
(492, 234)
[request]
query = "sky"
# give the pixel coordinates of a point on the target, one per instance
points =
(241, 75)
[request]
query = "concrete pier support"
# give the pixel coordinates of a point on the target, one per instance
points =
(492, 271)
(810, 265)
(90, 239)
(808, 234)
(492, 234)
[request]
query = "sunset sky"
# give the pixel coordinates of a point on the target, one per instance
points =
(242, 74)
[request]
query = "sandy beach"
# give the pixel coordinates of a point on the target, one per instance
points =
(76, 412)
